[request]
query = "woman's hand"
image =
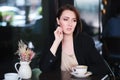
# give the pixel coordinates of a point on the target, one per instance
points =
(58, 34)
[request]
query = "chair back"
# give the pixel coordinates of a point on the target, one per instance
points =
(111, 47)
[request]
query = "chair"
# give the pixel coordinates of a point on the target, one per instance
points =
(111, 52)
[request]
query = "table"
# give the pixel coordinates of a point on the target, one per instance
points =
(63, 75)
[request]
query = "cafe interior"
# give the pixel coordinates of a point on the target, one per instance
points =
(98, 18)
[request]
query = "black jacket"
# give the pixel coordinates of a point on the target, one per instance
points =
(85, 52)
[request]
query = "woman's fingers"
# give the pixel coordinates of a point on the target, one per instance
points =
(58, 33)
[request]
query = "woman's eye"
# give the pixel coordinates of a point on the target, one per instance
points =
(75, 20)
(65, 19)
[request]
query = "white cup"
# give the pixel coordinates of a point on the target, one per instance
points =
(11, 76)
(80, 69)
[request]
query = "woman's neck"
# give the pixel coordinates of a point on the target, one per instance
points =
(67, 45)
(67, 38)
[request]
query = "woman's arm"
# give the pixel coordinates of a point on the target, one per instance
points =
(97, 64)
(58, 38)
(49, 60)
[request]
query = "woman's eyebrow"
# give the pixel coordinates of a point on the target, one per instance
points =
(69, 17)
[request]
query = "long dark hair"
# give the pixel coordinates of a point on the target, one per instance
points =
(78, 27)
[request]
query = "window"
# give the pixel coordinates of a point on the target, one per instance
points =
(89, 12)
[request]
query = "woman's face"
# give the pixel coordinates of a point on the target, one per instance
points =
(67, 21)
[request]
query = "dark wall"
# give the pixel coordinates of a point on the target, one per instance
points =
(63, 2)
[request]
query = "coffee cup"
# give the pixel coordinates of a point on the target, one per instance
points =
(11, 76)
(80, 69)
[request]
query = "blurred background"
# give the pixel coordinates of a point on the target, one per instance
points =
(32, 21)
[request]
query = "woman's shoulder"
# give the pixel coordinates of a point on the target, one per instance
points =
(83, 35)
(84, 38)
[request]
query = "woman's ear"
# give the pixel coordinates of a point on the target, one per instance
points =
(57, 21)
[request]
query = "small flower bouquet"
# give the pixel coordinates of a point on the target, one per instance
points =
(25, 53)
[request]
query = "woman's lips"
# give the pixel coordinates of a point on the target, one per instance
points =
(69, 29)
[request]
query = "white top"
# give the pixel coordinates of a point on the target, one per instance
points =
(68, 61)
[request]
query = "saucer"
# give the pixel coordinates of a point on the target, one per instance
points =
(81, 76)
(6, 79)
(18, 79)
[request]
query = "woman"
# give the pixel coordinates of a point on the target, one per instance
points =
(71, 47)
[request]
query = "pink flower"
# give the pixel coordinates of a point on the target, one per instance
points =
(25, 53)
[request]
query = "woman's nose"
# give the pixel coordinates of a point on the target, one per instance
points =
(70, 23)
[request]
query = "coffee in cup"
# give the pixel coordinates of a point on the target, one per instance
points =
(11, 76)
(80, 69)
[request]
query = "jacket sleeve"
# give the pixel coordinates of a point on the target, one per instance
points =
(95, 60)
(48, 61)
